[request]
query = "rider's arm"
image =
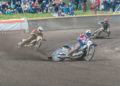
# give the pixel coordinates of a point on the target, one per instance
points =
(33, 31)
(42, 37)
(85, 40)
(76, 46)
(74, 49)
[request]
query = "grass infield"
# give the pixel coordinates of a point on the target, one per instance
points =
(48, 15)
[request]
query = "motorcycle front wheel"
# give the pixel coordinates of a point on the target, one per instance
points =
(90, 53)
(37, 45)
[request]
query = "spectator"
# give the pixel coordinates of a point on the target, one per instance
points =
(71, 4)
(40, 2)
(17, 6)
(56, 6)
(98, 5)
(84, 5)
(24, 9)
(112, 7)
(102, 5)
(62, 3)
(80, 2)
(61, 8)
(106, 5)
(117, 5)
(30, 2)
(46, 8)
(4, 8)
(9, 11)
(60, 13)
(27, 7)
(47, 2)
(51, 7)
(31, 7)
(43, 5)
(36, 5)
(66, 9)
(26, 1)
(19, 1)
(14, 2)
(34, 1)
(9, 2)
(76, 3)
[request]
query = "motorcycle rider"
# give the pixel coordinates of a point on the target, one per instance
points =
(104, 26)
(82, 42)
(33, 35)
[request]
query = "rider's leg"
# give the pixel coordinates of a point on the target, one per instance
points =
(81, 48)
(31, 37)
(108, 32)
(97, 31)
(74, 49)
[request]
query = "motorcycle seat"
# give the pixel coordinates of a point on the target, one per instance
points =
(67, 46)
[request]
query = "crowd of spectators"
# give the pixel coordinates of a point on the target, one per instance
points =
(105, 5)
(61, 7)
(35, 6)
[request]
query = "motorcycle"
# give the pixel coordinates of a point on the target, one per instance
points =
(101, 33)
(85, 54)
(34, 44)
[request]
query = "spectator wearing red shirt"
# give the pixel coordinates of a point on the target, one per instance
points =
(98, 5)
(84, 5)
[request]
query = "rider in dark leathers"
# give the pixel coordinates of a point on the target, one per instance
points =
(104, 27)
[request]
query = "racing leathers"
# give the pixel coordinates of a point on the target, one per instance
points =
(81, 44)
(104, 27)
(33, 36)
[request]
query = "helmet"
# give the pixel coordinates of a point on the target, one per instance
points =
(88, 32)
(106, 19)
(40, 28)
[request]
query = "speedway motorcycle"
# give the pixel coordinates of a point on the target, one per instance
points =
(101, 33)
(35, 44)
(85, 54)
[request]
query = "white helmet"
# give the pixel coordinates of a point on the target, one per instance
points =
(40, 28)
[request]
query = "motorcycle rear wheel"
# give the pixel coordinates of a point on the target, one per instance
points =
(56, 58)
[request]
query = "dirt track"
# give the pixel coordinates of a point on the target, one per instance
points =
(29, 68)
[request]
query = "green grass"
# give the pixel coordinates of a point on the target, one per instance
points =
(91, 12)
(83, 13)
(25, 15)
(67, 1)
(45, 15)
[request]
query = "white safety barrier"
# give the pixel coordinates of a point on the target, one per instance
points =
(14, 24)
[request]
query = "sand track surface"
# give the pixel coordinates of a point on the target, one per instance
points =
(26, 67)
